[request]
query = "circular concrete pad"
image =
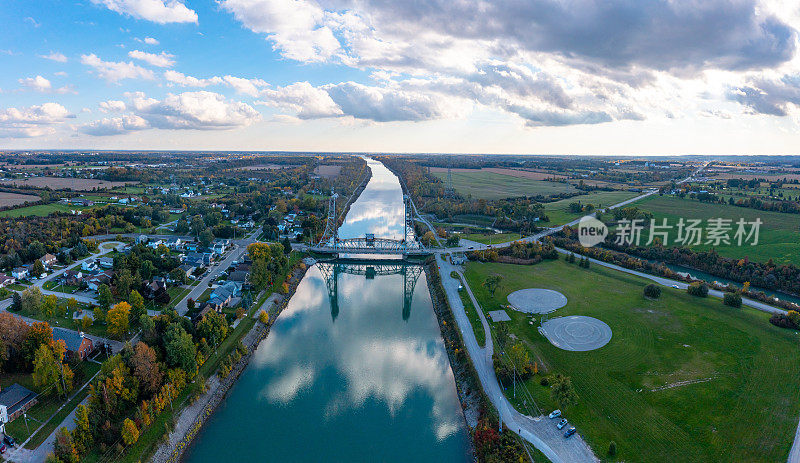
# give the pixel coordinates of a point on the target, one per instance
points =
(576, 333)
(536, 300)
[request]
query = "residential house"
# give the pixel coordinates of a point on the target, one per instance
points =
(72, 278)
(154, 287)
(221, 295)
(89, 265)
(6, 280)
(78, 345)
(188, 269)
(106, 262)
(238, 276)
(103, 278)
(19, 273)
(48, 260)
(173, 243)
(17, 400)
(191, 247)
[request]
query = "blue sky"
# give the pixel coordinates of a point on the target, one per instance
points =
(541, 76)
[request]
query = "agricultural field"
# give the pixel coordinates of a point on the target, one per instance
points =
(664, 388)
(329, 171)
(268, 167)
(558, 212)
(42, 210)
(779, 235)
(64, 183)
(483, 184)
(529, 174)
(15, 199)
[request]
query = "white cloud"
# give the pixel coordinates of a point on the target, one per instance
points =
(31, 121)
(55, 56)
(301, 30)
(182, 79)
(112, 106)
(302, 98)
(150, 41)
(38, 83)
(158, 11)
(116, 71)
(242, 85)
(162, 60)
(246, 86)
(189, 110)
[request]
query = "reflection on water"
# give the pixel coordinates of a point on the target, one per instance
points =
(354, 369)
(379, 209)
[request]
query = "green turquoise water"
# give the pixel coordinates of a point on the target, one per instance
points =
(363, 379)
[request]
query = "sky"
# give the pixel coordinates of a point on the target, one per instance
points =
(611, 77)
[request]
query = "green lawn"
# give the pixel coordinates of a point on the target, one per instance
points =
(746, 411)
(491, 238)
(472, 314)
(42, 210)
(491, 185)
(558, 212)
(779, 236)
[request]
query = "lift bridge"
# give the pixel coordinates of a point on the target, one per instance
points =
(330, 243)
(370, 269)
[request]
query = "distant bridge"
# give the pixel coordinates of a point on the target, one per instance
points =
(331, 271)
(330, 243)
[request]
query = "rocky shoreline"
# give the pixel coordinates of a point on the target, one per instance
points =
(218, 388)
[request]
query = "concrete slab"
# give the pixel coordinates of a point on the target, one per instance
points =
(576, 333)
(537, 300)
(499, 316)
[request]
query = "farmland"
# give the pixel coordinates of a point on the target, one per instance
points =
(42, 210)
(484, 184)
(64, 183)
(663, 389)
(559, 212)
(15, 199)
(779, 236)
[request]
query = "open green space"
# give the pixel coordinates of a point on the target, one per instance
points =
(42, 210)
(472, 314)
(558, 211)
(682, 379)
(491, 238)
(779, 234)
(491, 185)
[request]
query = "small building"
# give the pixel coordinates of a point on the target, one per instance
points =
(17, 400)
(78, 345)
(89, 265)
(19, 273)
(188, 269)
(238, 276)
(6, 280)
(72, 278)
(48, 260)
(106, 262)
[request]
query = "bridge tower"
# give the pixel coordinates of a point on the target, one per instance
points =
(449, 191)
(331, 232)
(409, 237)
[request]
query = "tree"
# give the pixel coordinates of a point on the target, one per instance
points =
(206, 237)
(181, 351)
(64, 447)
(177, 275)
(118, 319)
(45, 368)
(190, 304)
(146, 368)
(732, 299)
(86, 322)
(612, 447)
(38, 334)
(263, 317)
(698, 289)
(32, 300)
(104, 297)
(137, 305)
(49, 305)
(37, 268)
(287, 245)
(124, 282)
(82, 436)
(72, 305)
(652, 291)
(429, 239)
(213, 327)
(130, 433)
(16, 304)
(147, 270)
(492, 282)
(562, 391)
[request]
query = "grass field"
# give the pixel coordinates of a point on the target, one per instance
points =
(65, 183)
(747, 410)
(559, 214)
(491, 185)
(779, 235)
(491, 238)
(42, 210)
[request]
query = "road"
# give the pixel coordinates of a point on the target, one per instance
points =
(240, 247)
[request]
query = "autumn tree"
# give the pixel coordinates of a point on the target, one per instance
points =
(180, 349)
(49, 305)
(49, 371)
(64, 448)
(39, 333)
(31, 300)
(146, 368)
(118, 319)
(82, 436)
(37, 268)
(130, 433)
(213, 327)
(562, 391)
(137, 305)
(492, 283)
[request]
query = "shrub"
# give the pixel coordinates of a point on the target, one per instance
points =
(545, 381)
(652, 291)
(698, 289)
(612, 448)
(732, 299)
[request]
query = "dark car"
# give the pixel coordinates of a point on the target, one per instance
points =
(9, 440)
(569, 431)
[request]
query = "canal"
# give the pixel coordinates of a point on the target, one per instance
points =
(354, 369)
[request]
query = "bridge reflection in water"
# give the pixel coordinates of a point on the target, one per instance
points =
(369, 269)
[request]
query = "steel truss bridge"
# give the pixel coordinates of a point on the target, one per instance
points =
(330, 243)
(331, 271)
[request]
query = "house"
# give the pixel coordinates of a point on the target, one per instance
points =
(154, 287)
(17, 400)
(198, 259)
(173, 243)
(78, 345)
(141, 239)
(19, 273)
(48, 260)
(191, 247)
(188, 269)
(89, 265)
(94, 282)
(106, 262)
(6, 280)
(218, 249)
(238, 276)
(221, 296)
(155, 244)
(72, 278)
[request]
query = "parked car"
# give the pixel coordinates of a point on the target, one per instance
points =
(569, 432)
(555, 414)
(562, 423)
(676, 286)
(2, 448)
(9, 440)
(471, 247)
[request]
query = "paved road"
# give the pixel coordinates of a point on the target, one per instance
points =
(539, 431)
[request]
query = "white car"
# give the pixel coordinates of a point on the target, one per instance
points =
(676, 286)
(562, 423)
(555, 414)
